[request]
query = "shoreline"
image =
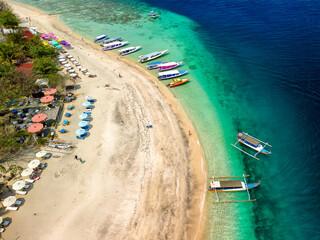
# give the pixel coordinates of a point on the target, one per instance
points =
(198, 164)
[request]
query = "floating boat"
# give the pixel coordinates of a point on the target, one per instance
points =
(154, 65)
(106, 41)
(153, 15)
(168, 66)
(100, 38)
(150, 56)
(177, 82)
(252, 143)
(128, 50)
(114, 45)
(232, 186)
(171, 74)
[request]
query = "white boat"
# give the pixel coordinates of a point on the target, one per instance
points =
(171, 74)
(128, 50)
(100, 38)
(150, 56)
(114, 45)
(106, 41)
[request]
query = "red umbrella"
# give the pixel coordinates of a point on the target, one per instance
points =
(46, 99)
(50, 91)
(39, 117)
(36, 127)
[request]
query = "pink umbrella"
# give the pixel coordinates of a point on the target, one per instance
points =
(36, 127)
(46, 99)
(50, 34)
(47, 38)
(43, 35)
(50, 91)
(39, 117)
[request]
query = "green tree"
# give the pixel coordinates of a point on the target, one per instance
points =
(45, 66)
(9, 20)
(39, 51)
(7, 51)
(6, 68)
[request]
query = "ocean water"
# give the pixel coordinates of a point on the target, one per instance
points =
(254, 67)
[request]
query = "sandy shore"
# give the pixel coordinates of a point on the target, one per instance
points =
(136, 183)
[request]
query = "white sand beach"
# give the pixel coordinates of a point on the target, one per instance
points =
(135, 183)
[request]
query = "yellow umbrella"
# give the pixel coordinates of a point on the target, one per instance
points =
(45, 44)
(59, 40)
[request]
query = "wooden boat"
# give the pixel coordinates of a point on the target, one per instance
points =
(128, 50)
(168, 66)
(252, 143)
(106, 41)
(171, 74)
(232, 186)
(150, 56)
(114, 45)
(178, 82)
(100, 38)
(154, 65)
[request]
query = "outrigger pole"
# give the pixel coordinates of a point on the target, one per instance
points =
(230, 177)
(245, 181)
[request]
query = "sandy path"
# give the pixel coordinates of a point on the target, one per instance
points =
(136, 183)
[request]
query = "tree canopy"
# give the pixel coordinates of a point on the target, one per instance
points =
(8, 19)
(45, 66)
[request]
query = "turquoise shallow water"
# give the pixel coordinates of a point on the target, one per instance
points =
(252, 69)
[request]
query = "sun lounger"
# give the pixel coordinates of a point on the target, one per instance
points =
(21, 192)
(26, 186)
(36, 177)
(2, 230)
(5, 223)
(29, 180)
(12, 208)
(18, 202)
(78, 137)
(37, 171)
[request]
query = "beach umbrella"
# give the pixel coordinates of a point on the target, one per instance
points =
(46, 99)
(80, 131)
(7, 202)
(36, 127)
(59, 40)
(68, 45)
(50, 34)
(58, 47)
(83, 124)
(83, 69)
(26, 172)
(50, 91)
(67, 114)
(34, 163)
(18, 185)
(41, 154)
(39, 117)
(45, 44)
(73, 74)
(43, 35)
(61, 56)
(63, 130)
(65, 122)
(86, 104)
(83, 116)
(47, 38)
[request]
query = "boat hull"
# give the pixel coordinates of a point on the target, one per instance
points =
(175, 84)
(249, 185)
(142, 60)
(258, 149)
(160, 69)
(134, 50)
(115, 47)
(173, 76)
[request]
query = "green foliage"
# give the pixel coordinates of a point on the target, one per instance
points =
(42, 141)
(5, 6)
(8, 19)
(14, 169)
(6, 68)
(45, 67)
(55, 80)
(7, 51)
(2, 169)
(39, 51)
(22, 134)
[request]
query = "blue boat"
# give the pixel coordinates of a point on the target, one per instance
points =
(106, 41)
(171, 74)
(154, 65)
(100, 38)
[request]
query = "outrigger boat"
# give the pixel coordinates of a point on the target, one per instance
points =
(150, 56)
(106, 41)
(232, 186)
(100, 38)
(153, 15)
(128, 50)
(168, 66)
(178, 82)
(171, 74)
(114, 45)
(252, 143)
(154, 65)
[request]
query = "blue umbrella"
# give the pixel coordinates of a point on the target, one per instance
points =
(67, 114)
(14, 111)
(65, 122)
(86, 104)
(83, 116)
(70, 107)
(83, 124)
(62, 130)
(80, 131)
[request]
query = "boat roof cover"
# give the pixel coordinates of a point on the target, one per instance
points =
(223, 184)
(154, 63)
(249, 139)
(167, 64)
(149, 55)
(169, 72)
(101, 36)
(111, 44)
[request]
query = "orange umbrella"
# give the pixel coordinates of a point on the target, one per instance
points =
(46, 99)
(39, 117)
(36, 127)
(50, 91)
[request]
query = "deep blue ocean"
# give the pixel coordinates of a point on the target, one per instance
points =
(257, 64)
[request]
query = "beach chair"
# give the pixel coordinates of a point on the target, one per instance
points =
(42, 165)
(29, 180)
(36, 177)
(26, 186)
(78, 137)
(37, 171)
(21, 192)
(18, 202)
(12, 208)
(2, 230)
(5, 223)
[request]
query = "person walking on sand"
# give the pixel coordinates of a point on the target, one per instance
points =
(76, 157)
(120, 75)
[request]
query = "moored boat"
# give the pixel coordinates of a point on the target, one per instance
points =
(100, 38)
(168, 66)
(154, 65)
(150, 56)
(106, 41)
(114, 45)
(128, 50)
(171, 74)
(177, 82)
